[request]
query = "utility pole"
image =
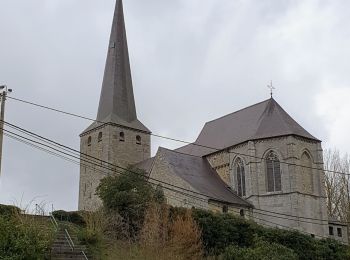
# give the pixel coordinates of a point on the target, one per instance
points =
(2, 117)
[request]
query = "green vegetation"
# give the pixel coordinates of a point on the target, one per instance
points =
(135, 223)
(23, 237)
(233, 237)
(129, 195)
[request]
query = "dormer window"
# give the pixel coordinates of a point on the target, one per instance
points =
(138, 139)
(121, 137)
(89, 141)
(99, 137)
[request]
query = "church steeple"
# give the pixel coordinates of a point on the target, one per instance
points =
(117, 136)
(117, 103)
(117, 97)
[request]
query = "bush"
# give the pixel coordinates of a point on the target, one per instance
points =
(222, 230)
(74, 217)
(22, 238)
(9, 211)
(129, 195)
(262, 250)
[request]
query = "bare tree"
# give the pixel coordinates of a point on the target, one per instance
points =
(337, 183)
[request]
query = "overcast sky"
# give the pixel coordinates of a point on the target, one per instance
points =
(192, 61)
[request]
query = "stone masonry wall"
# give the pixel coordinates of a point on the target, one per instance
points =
(294, 199)
(111, 149)
(162, 171)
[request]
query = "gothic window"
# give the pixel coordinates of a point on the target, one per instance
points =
(273, 173)
(121, 137)
(225, 209)
(99, 137)
(89, 141)
(240, 177)
(138, 139)
(306, 173)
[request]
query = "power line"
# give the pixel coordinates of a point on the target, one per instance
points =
(115, 170)
(177, 191)
(178, 140)
(191, 196)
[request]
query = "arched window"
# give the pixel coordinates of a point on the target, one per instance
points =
(240, 177)
(89, 141)
(138, 139)
(121, 137)
(306, 173)
(273, 173)
(99, 137)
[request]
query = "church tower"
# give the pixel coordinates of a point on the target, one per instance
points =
(117, 137)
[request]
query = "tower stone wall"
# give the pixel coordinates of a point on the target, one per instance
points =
(118, 148)
(117, 139)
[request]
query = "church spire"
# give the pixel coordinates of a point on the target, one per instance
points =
(117, 104)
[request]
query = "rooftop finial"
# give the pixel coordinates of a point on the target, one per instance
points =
(271, 87)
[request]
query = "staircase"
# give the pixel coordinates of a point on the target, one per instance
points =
(63, 247)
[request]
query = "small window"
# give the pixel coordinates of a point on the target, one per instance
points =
(138, 139)
(340, 233)
(99, 137)
(331, 232)
(89, 141)
(121, 137)
(225, 209)
(242, 213)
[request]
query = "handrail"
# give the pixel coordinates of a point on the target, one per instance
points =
(39, 209)
(69, 240)
(67, 236)
(53, 221)
(84, 255)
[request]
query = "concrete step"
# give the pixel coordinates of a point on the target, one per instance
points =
(67, 248)
(61, 249)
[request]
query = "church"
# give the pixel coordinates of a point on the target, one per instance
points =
(258, 162)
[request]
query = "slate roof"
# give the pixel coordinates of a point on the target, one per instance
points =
(197, 172)
(263, 120)
(117, 104)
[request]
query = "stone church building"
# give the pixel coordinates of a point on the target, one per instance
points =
(257, 162)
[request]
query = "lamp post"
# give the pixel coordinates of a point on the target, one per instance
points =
(3, 95)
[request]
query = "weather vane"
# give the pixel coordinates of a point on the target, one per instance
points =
(271, 87)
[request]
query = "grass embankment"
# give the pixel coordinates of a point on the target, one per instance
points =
(24, 236)
(176, 233)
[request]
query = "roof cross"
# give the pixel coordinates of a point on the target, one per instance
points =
(271, 87)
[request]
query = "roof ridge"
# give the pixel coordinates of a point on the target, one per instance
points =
(174, 151)
(238, 111)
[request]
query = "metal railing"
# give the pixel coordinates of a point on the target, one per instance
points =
(69, 239)
(66, 235)
(39, 210)
(53, 221)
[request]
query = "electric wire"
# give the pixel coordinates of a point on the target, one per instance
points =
(276, 225)
(201, 198)
(179, 140)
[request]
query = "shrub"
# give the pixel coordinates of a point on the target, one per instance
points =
(73, 217)
(172, 237)
(222, 230)
(9, 211)
(262, 250)
(129, 195)
(22, 238)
